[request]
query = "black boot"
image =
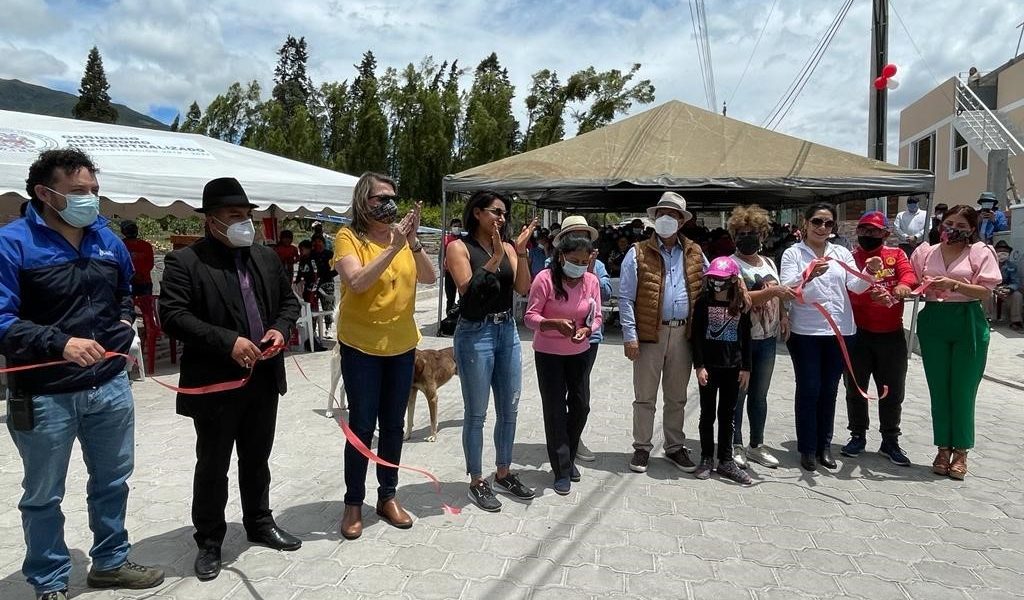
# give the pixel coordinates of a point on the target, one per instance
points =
(825, 458)
(807, 462)
(207, 565)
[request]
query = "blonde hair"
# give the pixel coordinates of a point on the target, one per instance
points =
(360, 210)
(752, 217)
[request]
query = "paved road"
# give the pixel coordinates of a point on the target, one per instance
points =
(868, 530)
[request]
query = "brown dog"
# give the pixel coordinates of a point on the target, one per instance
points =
(434, 368)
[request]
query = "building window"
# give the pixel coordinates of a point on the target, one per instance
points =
(959, 152)
(923, 154)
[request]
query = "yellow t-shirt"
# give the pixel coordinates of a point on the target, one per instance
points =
(380, 320)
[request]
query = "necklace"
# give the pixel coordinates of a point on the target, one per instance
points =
(490, 255)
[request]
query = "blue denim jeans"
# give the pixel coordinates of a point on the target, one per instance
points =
(103, 420)
(378, 393)
(489, 358)
(762, 365)
(818, 365)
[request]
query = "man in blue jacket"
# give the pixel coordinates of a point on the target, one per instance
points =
(65, 294)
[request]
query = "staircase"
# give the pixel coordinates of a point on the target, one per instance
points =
(984, 130)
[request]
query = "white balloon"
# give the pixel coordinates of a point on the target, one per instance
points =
(892, 83)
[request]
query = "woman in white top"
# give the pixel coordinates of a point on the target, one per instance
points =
(813, 347)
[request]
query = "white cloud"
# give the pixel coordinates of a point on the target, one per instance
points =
(172, 52)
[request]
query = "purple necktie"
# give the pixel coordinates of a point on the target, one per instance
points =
(252, 309)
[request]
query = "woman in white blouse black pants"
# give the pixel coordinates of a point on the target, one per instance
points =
(813, 347)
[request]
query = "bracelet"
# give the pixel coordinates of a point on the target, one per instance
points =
(524, 254)
(956, 286)
(417, 247)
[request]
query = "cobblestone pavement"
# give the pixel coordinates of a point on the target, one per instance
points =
(868, 530)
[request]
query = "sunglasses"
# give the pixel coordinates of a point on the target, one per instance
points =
(497, 212)
(385, 197)
(819, 222)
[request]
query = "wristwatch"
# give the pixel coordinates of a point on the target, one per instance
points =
(956, 286)
(417, 247)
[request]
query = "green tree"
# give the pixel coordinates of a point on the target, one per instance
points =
(338, 125)
(369, 147)
(230, 115)
(93, 97)
(612, 95)
(294, 136)
(546, 111)
(490, 130)
(193, 119)
(292, 87)
(175, 124)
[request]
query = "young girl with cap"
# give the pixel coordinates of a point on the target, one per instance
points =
(721, 358)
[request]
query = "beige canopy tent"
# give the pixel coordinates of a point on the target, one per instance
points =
(715, 162)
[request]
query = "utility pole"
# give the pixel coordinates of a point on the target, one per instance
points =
(1020, 37)
(878, 98)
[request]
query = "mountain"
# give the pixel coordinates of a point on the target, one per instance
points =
(24, 97)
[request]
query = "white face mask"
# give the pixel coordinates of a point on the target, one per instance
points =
(573, 271)
(1003, 256)
(456, 230)
(666, 226)
(240, 234)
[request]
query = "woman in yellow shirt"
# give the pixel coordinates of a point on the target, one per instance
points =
(380, 263)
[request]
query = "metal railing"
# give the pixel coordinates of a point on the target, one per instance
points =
(984, 125)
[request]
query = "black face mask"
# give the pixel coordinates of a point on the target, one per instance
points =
(748, 244)
(868, 242)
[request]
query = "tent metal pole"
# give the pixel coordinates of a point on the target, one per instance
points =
(440, 255)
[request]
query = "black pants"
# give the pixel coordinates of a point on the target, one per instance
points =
(723, 383)
(564, 395)
(449, 291)
(884, 357)
(247, 425)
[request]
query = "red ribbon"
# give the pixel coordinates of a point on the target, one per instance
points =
(370, 455)
(799, 291)
(240, 383)
(225, 386)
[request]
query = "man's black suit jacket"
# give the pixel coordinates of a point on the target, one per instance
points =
(201, 306)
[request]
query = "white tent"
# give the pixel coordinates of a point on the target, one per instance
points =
(145, 171)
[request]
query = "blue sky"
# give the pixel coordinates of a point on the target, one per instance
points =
(161, 56)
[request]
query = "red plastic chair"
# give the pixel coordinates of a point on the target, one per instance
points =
(146, 305)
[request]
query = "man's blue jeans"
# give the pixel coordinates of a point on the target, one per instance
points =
(103, 420)
(488, 356)
(762, 365)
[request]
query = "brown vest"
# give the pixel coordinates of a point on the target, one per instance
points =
(650, 273)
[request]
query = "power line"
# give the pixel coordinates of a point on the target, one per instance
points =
(698, 22)
(788, 99)
(753, 51)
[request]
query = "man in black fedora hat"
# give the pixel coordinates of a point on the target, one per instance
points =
(231, 304)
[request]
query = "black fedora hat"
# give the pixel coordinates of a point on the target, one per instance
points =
(223, 192)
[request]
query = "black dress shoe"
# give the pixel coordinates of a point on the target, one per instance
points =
(274, 537)
(207, 565)
(807, 462)
(826, 460)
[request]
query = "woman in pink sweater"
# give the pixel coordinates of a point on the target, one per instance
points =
(564, 308)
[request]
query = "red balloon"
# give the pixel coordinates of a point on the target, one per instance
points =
(881, 82)
(889, 70)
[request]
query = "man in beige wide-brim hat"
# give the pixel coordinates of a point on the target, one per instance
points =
(658, 286)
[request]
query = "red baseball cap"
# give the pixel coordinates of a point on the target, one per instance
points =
(874, 218)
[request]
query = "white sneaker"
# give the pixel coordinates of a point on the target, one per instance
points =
(761, 456)
(739, 456)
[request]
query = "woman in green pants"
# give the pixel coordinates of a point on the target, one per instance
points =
(961, 272)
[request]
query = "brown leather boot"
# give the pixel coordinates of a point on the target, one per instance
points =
(958, 465)
(352, 522)
(940, 466)
(392, 512)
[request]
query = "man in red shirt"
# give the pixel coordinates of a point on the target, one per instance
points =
(880, 349)
(142, 259)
